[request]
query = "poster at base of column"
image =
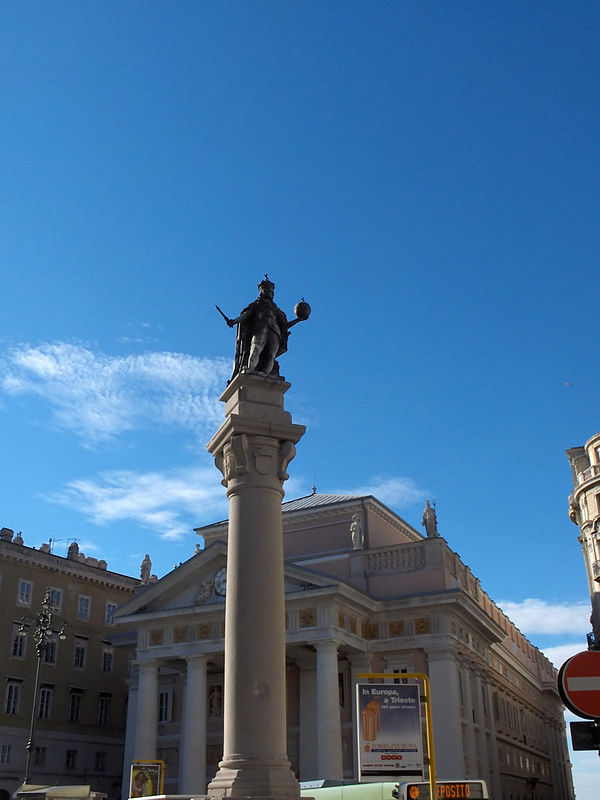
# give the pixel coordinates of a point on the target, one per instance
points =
(146, 778)
(389, 731)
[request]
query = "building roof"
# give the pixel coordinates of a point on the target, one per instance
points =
(315, 500)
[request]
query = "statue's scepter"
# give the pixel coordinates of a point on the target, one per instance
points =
(225, 317)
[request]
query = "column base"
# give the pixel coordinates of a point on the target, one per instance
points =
(259, 780)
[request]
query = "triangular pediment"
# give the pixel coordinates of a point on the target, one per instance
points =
(198, 581)
(201, 581)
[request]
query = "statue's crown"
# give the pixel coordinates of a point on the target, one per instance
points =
(266, 284)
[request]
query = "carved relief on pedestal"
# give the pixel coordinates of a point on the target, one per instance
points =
(254, 456)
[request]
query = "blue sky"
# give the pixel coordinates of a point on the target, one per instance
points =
(425, 174)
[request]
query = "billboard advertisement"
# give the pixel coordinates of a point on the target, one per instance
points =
(389, 731)
(146, 778)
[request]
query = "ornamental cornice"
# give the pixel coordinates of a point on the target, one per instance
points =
(67, 567)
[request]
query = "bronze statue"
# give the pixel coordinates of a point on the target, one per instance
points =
(262, 332)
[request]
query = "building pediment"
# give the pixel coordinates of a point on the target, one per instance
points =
(199, 581)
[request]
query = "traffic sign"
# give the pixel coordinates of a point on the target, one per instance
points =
(579, 684)
(585, 735)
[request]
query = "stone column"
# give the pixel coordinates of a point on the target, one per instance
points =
(445, 702)
(308, 718)
(147, 711)
(252, 449)
(329, 728)
(129, 750)
(192, 758)
(495, 786)
(360, 664)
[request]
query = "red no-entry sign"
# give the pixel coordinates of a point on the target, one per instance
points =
(579, 684)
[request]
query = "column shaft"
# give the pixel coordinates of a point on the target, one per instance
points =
(329, 729)
(147, 711)
(192, 764)
(447, 733)
(252, 449)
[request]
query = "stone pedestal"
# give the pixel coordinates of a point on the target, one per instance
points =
(252, 449)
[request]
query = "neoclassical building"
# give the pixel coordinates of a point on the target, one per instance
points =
(584, 511)
(365, 592)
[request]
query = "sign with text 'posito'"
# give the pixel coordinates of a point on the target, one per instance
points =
(579, 684)
(389, 731)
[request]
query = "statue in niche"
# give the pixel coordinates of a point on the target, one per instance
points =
(357, 533)
(145, 568)
(262, 332)
(215, 701)
(430, 520)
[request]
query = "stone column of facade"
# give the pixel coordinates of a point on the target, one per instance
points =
(494, 786)
(360, 664)
(192, 758)
(447, 729)
(147, 711)
(129, 752)
(329, 727)
(307, 718)
(481, 737)
(470, 733)
(252, 449)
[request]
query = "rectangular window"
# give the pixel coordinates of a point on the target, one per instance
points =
(100, 762)
(165, 705)
(71, 760)
(80, 652)
(19, 641)
(24, 593)
(45, 702)
(110, 613)
(107, 659)
(104, 701)
(13, 696)
(75, 705)
(83, 607)
(39, 757)
(5, 753)
(55, 598)
(50, 650)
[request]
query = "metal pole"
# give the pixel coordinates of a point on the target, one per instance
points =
(29, 746)
(42, 632)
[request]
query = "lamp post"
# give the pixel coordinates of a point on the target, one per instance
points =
(43, 631)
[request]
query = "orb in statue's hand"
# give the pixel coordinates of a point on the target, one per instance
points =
(302, 310)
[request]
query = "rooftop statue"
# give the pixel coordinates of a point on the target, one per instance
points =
(262, 332)
(430, 520)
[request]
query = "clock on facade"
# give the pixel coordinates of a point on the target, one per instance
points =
(220, 581)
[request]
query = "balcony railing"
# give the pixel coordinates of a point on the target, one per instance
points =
(588, 473)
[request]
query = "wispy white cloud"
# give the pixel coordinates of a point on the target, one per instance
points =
(560, 652)
(169, 503)
(98, 396)
(535, 616)
(395, 491)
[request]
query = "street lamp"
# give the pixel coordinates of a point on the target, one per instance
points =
(43, 631)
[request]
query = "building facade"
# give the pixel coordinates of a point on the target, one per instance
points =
(584, 511)
(79, 718)
(365, 592)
